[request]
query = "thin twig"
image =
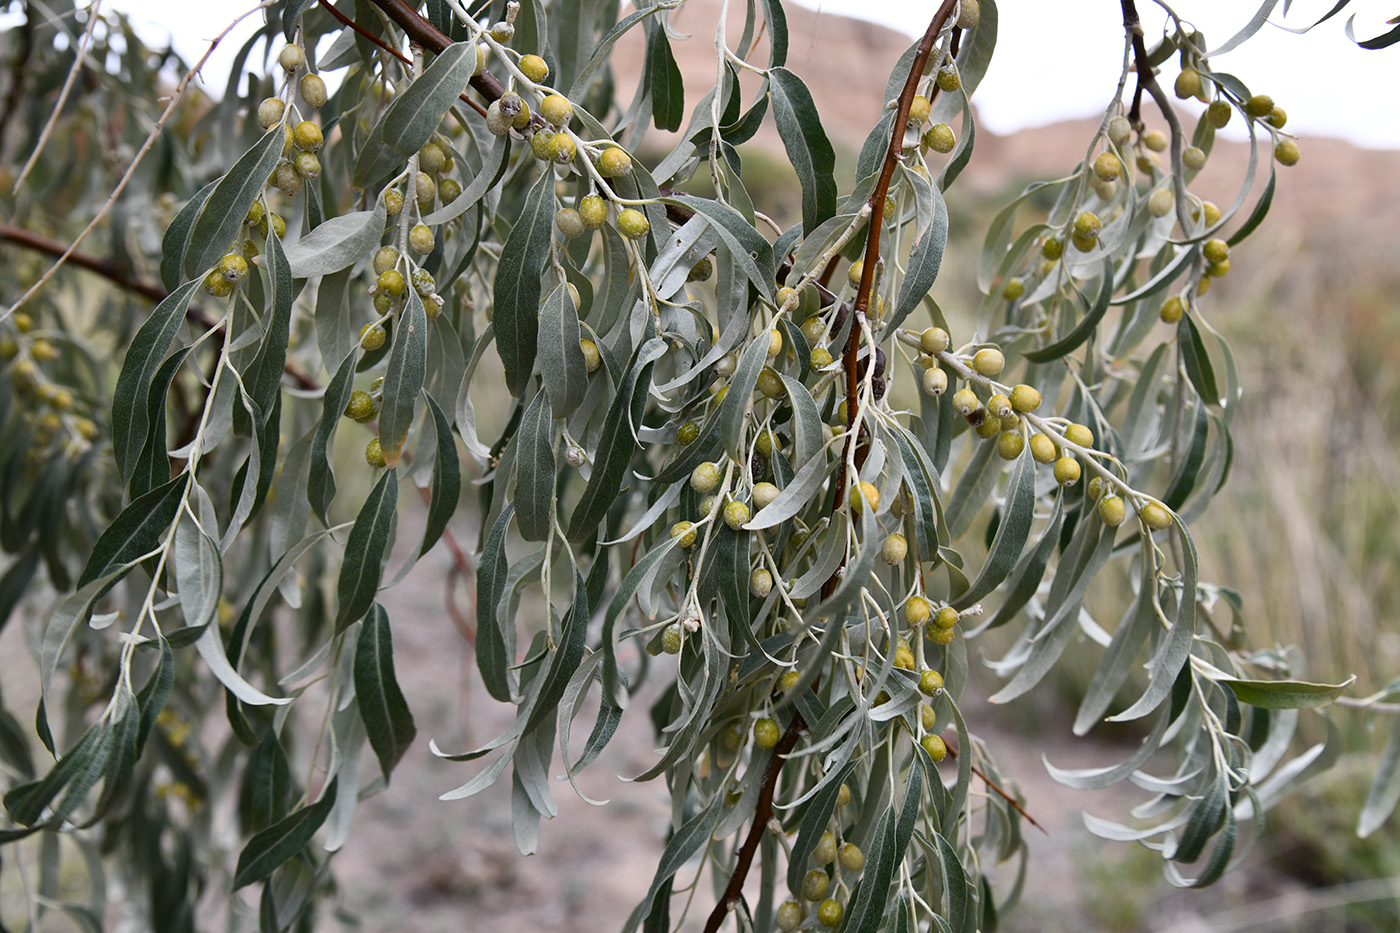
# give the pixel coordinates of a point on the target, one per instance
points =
(79, 60)
(993, 786)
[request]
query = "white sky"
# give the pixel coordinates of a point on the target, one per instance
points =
(1054, 60)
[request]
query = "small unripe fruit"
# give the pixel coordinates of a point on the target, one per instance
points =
(829, 912)
(313, 90)
(930, 683)
(1024, 398)
(988, 361)
(431, 158)
(592, 359)
(562, 148)
(928, 718)
(734, 735)
(1278, 117)
(1083, 243)
(216, 285)
(614, 163)
(965, 402)
(1212, 213)
(789, 916)
(421, 239)
(1107, 167)
(1155, 516)
(1043, 449)
(825, 851)
(918, 110)
(291, 57)
(894, 548)
(1146, 162)
(360, 407)
(865, 494)
(289, 180)
(270, 112)
(372, 337)
(1014, 289)
(672, 638)
(1053, 248)
(940, 138)
(1067, 471)
(1286, 152)
(854, 273)
(726, 365)
(934, 340)
(449, 190)
(766, 733)
(685, 533)
(1087, 224)
(1010, 444)
(688, 432)
(424, 190)
(705, 478)
(307, 136)
(948, 80)
(760, 583)
(1112, 511)
(917, 611)
(632, 224)
(1155, 140)
(999, 405)
(945, 618)
(735, 514)
(1119, 130)
(771, 384)
(1202, 286)
(1105, 190)
(935, 746)
(851, 857)
(1172, 309)
(1161, 202)
(1194, 158)
(233, 267)
(701, 271)
(497, 121)
(763, 494)
(843, 795)
(969, 14)
(1219, 113)
(556, 109)
(594, 211)
(374, 454)
(385, 258)
(1095, 487)
(1218, 269)
(789, 680)
(392, 283)
(393, 202)
(1216, 250)
(821, 358)
(1079, 434)
(382, 303)
(1260, 105)
(815, 884)
(935, 381)
(424, 285)
(1188, 83)
(534, 68)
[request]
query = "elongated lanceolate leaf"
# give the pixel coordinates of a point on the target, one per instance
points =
(338, 243)
(388, 721)
(143, 358)
(224, 211)
(516, 287)
(926, 253)
(447, 478)
(752, 252)
(277, 844)
(561, 358)
(137, 531)
(403, 380)
(363, 566)
(1286, 694)
(320, 486)
(534, 470)
(807, 146)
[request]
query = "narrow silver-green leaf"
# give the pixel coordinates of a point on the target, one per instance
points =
(199, 572)
(387, 718)
(560, 355)
(137, 531)
(1384, 792)
(926, 253)
(1017, 516)
(751, 251)
(1286, 694)
(516, 287)
(320, 486)
(446, 485)
(129, 415)
(808, 148)
(277, 844)
(403, 380)
(338, 243)
(222, 215)
(363, 566)
(534, 470)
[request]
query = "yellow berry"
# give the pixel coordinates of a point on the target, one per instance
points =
(1067, 471)
(291, 57)
(688, 432)
(1119, 130)
(307, 136)
(763, 494)
(948, 80)
(1278, 117)
(1107, 167)
(1079, 434)
(1014, 289)
(534, 68)
(770, 384)
(421, 239)
(916, 611)
(945, 618)
(965, 402)
(374, 454)
(865, 493)
(592, 359)
(1188, 83)
(815, 884)
(1010, 444)
(894, 548)
(431, 158)
(1194, 158)
(569, 222)
(851, 857)
(1286, 152)
(988, 361)
(821, 358)
(685, 533)
(735, 514)
(594, 211)
(940, 138)
(1260, 105)
(313, 90)
(1043, 449)
(1112, 511)
(270, 112)
(614, 163)
(556, 109)
(1155, 140)
(1172, 309)
(632, 224)
(372, 337)
(760, 583)
(935, 381)
(1155, 516)
(930, 683)
(672, 638)
(1219, 113)
(935, 746)
(934, 340)
(1161, 202)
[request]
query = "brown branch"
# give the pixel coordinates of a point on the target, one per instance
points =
(762, 813)
(118, 275)
(1145, 76)
(992, 785)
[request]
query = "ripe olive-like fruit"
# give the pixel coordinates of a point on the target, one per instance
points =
(1212, 213)
(685, 532)
(361, 406)
(1025, 398)
(825, 851)
(1112, 511)
(594, 211)
(1087, 224)
(918, 110)
(570, 222)
(392, 283)
(313, 90)
(1014, 289)
(940, 138)
(1286, 152)
(935, 381)
(393, 202)
(498, 122)
(851, 857)
(988, 361)
(865, 494)
(1043, 449)
(1010, 444)
(233, 267)
(894, 548)
(1260, 105)
(829, 912)
(614, 163)
(965, 402)
(632, 224)
(216, 285)
(592, 359)
(1216, 250)
(789, 916)
(671, 638)
(934, 340)
(815, 884)
(688, 432)
(930, 683)
(1218, 269)
(1203, 286)
(948, 80)
(935, 746)
(421, 239)
(1155, 140)
(775, 342)
(928, 718)
(854, 273)
(771, 384)
(1193, 157)
(1105, 190)
(431, 158)
(424, 285)
(449, 190)
(765, 443)
(1146, 162)
(1079, 434)
(760, 583)
(999, 405)
(289, 180)
(372, 337)
(1095, 487)
(1107, 167)
(1188, 83)
(766, 733)
(969, 14)
(1067, 471)
(1161, 202)
(916, 611)
(273, 223)
(1053, 248)
(534, 68)
(424, 190)
(270, 112)
(556, 109)
(734, 735)
(1119, 130)
(562, 149)
(763, 494)
(789, 680)
(307, 136)
(374, 454)
(1155, 516)
(1219, 112)
(735, 514)
(385, 258)
(1278, 117)
(821, 358)
(1172, 309)
(291, 57)
(945, 618)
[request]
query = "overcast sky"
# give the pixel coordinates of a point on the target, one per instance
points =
(1054, 60)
